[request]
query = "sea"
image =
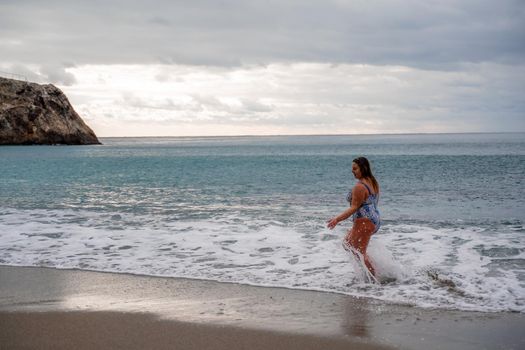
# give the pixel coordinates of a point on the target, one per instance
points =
(253, 210)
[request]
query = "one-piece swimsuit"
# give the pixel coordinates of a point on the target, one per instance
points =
(368, 209)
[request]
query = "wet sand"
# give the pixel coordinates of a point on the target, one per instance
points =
(42, 308)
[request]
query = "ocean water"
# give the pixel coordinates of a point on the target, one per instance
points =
(253, 210)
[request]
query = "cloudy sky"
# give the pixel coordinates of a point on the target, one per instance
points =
(242, 67)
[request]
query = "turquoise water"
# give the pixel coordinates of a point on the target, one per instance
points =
(253, 210)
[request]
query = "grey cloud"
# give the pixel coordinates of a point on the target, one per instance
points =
(481, 97)
(24, 73)
(163, 21)
(131, 100)
(207, 101)
(45, 74)
(58, 75)
(256, 106)
(55, 74)
(248, 107)
(437, 35)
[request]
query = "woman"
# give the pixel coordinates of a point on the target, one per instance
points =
(363, 201)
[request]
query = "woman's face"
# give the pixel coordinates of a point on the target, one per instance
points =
(356, 171)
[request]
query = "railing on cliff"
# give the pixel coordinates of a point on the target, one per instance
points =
(13, 76)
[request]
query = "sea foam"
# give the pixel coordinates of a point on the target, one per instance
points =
(453, 267)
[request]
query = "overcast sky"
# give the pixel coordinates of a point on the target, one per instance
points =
(159, 68)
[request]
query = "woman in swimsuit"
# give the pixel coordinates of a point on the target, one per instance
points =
(363, 201)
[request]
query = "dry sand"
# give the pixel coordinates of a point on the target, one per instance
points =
(42, 308)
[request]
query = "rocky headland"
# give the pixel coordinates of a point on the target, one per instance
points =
(34, 114)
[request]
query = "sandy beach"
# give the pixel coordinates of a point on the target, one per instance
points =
(43, 308)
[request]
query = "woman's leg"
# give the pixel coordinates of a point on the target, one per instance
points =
(359, 237)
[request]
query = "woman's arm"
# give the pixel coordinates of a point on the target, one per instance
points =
(358, 197)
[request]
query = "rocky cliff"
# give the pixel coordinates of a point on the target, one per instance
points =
(39, 114)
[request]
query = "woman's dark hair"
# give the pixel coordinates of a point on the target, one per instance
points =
(366, 171)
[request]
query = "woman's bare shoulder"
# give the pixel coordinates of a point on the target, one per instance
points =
(359, 188)
(370, 185)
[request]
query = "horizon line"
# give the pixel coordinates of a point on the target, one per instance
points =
(287, 135)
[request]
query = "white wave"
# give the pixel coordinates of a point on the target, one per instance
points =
(429, 267)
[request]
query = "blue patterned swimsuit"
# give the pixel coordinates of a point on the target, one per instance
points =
(368, 209)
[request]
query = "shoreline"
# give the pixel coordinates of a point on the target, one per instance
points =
(249, 285)
(67, 308)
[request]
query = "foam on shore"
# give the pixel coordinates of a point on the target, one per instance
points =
(235, 248)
